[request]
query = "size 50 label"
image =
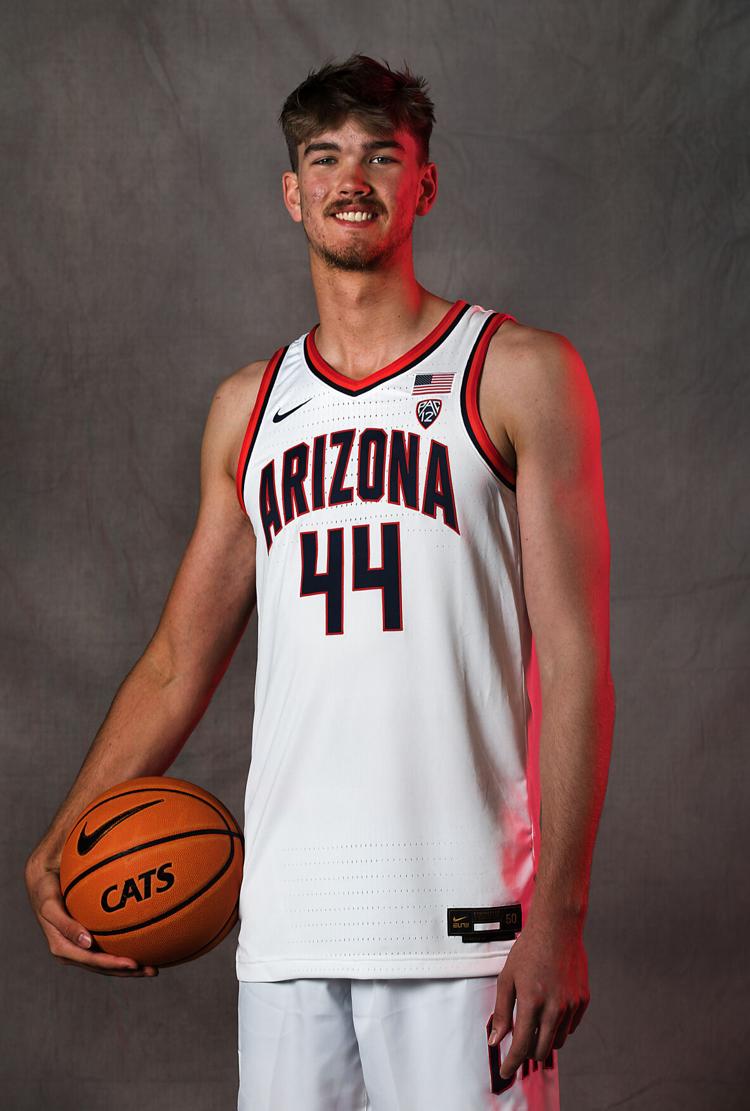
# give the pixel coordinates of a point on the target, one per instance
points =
(485, 923)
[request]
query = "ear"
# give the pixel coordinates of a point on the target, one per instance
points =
(290, 191)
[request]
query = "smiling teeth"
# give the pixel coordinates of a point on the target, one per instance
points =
(351, 217)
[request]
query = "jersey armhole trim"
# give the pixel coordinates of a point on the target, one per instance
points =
(256, 416)
(470, 402)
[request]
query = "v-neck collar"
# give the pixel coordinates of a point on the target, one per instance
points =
(410, 358)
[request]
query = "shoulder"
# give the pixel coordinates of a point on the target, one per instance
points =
(231, 406)
(241, 384)
(545, 357)
(534, 378)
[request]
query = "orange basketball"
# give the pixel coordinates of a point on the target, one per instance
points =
(152, 868)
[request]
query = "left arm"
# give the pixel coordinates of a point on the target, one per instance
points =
(552, 419)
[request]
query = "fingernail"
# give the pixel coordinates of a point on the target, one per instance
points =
(84, 939)
(493, 1038)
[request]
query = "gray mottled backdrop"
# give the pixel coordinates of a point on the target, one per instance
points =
(593, 170)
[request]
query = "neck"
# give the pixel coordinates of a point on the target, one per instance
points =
(365, 326)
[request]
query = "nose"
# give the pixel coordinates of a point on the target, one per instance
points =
(353, 192)
(353, 181)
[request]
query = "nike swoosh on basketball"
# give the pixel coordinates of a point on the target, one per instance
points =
(278, 415)
(86, 841)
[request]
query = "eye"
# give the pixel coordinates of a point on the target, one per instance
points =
(320, 161)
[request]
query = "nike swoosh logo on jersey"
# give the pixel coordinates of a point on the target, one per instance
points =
(86, 841)
(278, 415)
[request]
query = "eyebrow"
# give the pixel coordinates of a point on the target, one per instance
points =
(372, 144)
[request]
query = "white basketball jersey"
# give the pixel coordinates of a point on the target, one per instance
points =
(390, 826)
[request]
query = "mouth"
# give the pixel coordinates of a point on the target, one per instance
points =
(360, 219)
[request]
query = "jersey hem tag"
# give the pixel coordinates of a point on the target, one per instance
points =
(462, 921)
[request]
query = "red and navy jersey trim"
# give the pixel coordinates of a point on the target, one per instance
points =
(256, 416)
(321, 369)
(470, 402)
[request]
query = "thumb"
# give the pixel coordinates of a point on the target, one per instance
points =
(502, 1019)
(54, 910)
(81, 936)
(72, 929)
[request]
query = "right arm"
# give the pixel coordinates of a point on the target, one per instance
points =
(166, 693)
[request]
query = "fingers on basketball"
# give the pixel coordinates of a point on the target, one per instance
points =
(62, 933)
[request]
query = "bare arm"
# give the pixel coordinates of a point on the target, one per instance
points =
(166, 693)
(565, 560)
(553, 422)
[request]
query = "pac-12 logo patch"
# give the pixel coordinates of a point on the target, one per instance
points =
(428, 410)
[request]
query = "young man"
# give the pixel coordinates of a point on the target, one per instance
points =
(413, 485)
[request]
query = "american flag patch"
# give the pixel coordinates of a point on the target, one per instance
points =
(433, 383)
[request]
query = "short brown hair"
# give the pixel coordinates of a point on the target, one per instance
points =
(378, 97)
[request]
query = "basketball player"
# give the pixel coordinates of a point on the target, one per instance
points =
(409, 490)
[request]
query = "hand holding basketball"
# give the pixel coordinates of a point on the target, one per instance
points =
(153, 868)
(62, 931)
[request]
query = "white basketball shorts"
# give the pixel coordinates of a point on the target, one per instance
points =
(380, 1045)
